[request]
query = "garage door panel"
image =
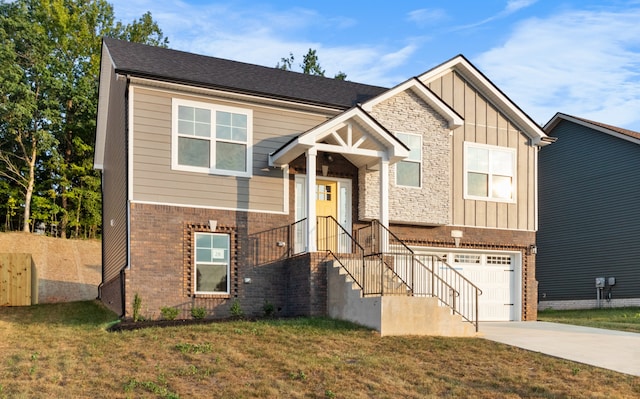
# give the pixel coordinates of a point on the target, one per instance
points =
(494, 274)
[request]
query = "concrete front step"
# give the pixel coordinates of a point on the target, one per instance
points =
(391, 314)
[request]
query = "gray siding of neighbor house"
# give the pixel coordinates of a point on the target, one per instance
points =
(114, 180)
(485, 124)
(155, 181)
(589, 194)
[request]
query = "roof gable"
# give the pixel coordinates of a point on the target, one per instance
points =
(492, 93)
(177, 66)
(425, 94)
(624, 134)
(354, 133)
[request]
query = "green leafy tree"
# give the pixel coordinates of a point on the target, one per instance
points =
(310, 65)
(51, 52)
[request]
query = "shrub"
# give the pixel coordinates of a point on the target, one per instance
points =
(198, 312)
(236, 309)
(137, 305)
(169, 313)
(268, 308)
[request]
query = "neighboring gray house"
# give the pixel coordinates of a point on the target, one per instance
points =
(589, 216)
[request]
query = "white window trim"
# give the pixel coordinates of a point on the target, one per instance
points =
(175, 103)
(195, 261)
(420, 162)
(514, 170)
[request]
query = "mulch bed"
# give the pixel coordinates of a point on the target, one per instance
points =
(130, 325)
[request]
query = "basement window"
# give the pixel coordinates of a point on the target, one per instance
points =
(211, 263)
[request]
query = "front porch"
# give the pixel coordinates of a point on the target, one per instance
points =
(371, 278)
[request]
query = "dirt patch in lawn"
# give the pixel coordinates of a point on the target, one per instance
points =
(67, 270)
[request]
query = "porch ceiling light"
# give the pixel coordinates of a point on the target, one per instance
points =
(325, 170)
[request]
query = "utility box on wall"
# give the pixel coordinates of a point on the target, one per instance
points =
(18, 280)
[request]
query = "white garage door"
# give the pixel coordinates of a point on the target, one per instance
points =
(495, 274)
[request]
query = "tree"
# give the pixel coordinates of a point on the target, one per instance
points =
(310, 65)
(50, 50)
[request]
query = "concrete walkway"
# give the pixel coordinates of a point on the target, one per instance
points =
(609, 349)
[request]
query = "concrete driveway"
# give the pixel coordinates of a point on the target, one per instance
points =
(609, 349)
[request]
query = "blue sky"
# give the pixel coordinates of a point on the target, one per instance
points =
(578, 57)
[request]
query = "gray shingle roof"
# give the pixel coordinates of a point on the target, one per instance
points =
(178, 66)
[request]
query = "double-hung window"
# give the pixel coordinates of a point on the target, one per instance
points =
(489, 172)
(409, 171)
(211, 265)
(211, 138)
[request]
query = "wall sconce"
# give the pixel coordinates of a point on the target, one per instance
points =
(532, 249)
(457, 235)
(281, 243)
(325, 170)
(213, 225)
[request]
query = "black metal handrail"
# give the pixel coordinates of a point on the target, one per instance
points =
(438, 279)
(337, 241)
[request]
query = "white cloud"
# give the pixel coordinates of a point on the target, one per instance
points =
(263, 35)
(425, 16)
(584, 63)
(515, 5)
(512, 7)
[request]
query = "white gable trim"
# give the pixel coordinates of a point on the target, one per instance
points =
(425, 94)
(106, 75)
(461, 65)
(389, 146)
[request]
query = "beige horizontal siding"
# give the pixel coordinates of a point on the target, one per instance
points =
(115, 184)
(155, 181)
(487, 125)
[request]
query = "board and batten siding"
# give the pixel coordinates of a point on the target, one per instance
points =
(114, 184)
(485, 124)
(154, 181)
(589, 215)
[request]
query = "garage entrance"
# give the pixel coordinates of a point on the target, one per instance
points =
(497, 274)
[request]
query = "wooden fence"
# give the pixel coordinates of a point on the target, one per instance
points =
(18, 280)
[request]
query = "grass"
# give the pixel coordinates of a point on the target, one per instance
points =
(622, 319)
(64, 350)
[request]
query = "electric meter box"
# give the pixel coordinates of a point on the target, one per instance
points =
(599, 282)
(611, 281)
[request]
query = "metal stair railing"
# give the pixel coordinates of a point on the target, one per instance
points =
(336, 240)
(431, 278)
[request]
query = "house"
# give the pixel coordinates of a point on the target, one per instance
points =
(588, 236)
(225, 182)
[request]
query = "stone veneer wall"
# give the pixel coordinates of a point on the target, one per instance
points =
(429, 204)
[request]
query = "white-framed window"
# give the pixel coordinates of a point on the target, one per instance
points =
(211, 263)
(211, 138)
(409, 170)
(490, 172)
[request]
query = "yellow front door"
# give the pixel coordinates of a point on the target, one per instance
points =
(327, 205)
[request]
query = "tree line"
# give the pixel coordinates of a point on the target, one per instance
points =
(50, 63)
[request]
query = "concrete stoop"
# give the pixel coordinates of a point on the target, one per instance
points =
(391, 315)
